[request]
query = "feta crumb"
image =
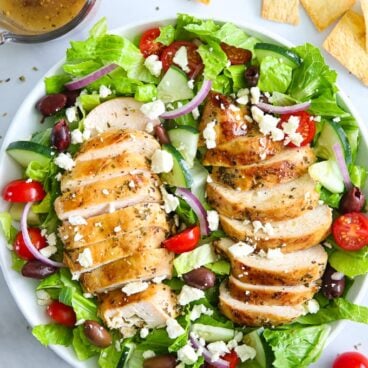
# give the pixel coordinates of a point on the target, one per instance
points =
(181, 59)
(117, 229)
(295, 138)
(173, 328)
(104, 91)
(158, 279)
(85, 258)
(257, 225)
(51, 239)
(131, 184)
(48, 251)
(195, 113)
(149, 127)
(154, 65)
(77, 136)
(248, 118)
(135, 287)
(274, 253)
(65, 161)
(234, 108)
(198, 310)
(111, 207)
(191, 83)
(241, 249)
(187, 355)
(277, 135)
(245, 352)
(143, 333)
(148, 354)
(71, 114)
(255, 94)
(86, 134)
(217, 349)
(209, 134)
(317, 119)
(77, 220)
(291, 126)
(43, 297)
(105, 192)
(312, 306)
(209, 179)
(88, 295)
(153, 109)
(161, 162)
(336, 119)
(213, 220)
(80, 322)
(189, 294)
(337, 276)
(170, 201)
(58, 176)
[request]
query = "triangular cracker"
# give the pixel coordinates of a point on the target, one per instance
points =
(284, 11)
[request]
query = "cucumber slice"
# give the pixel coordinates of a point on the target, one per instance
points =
(125, 355)
(282, 53)
(25, 151)
(174, 86)
(212, 333)
(331, 134)
(185, 139)
(16, 211)
(180, 175)
(255, 341)
(328, 174)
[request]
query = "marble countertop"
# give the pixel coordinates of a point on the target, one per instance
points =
(18, 349)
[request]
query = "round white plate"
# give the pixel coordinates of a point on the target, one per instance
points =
(27, 121)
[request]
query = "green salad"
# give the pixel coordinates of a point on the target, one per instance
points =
(290, 94)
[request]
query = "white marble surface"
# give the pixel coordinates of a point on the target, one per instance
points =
(18, 349)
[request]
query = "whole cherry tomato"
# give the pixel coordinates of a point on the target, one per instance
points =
(23, 191)
(61, 314)
(351, 360)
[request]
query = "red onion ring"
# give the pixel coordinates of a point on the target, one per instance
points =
(191, 105)
(196, 206)
(340, 159)
(28, 242)
(283, 109)
(90, 78)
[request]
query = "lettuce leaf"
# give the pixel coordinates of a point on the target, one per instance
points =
(82, 347)
(236, 74)
(214, 59)
(7, 228)
(351, 264)
(55, 84)
(146, 93)
(53, 334)
(37, 171)
(167, 35)
(109, 357)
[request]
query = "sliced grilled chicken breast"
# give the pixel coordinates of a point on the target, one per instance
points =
(115, 248)
(282, 201)
(256, 315)
(118, 113)
(141, 266)
(301, 267)
(115, 224)
(302, 232)
(281, 168)
(150, 308)
(115, 142)
(271, 295)
(94, 199)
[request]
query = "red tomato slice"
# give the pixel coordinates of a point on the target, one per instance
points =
(307, 126)
(148, 45)
(23, 191)
(351, 360)
(37, 240)
(184, 241)
(195, 64)
(350, 231)
(61, 314)
(236, 55)
(231, 357)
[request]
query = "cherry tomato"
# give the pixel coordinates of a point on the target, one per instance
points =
(231, 357)
(351, 359)
(184, 241)
(23, 191)
(350, 231)
(148, 45)
(307, 127)
(61, 314)
(37, 240)
(236, 55)
(195, 64)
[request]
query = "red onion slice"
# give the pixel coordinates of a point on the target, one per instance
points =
(196, 206)
(90, 78)
(190, 106)
(283, 109)
(28, 241)
(340, 159)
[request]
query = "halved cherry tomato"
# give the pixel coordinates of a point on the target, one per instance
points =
(195, 64)
(351, 359)
(231, 357)
(236, 55)
(148, 45)
(350, 231)
(61, 314)
(37, 239)
(307, 126)
(184, 241)
(23, 191)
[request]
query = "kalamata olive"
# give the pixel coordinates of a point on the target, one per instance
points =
(96, 334)
(161, 134)
(200, 278)
(36, 269)
(71, 97)
(251, 76)
(51, 104)
(333, 283)
(160, 361)
(60, 136)
(352, 201)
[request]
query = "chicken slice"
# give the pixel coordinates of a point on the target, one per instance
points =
(141, 266)
(301, 267)
(150, 308)
(113, 224)
(115, 142)
(96, 198)
(115, 248)
(302, 232)
(281, 168)
(254, 315)
(271, 295)
(282, 201)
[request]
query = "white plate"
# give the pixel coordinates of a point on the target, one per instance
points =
(26, 121)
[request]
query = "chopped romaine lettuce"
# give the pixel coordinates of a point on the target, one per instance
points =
(351, 264)
(236, 74)
(55, 84)
(214, 59)
(167, 35)
(82, 347)
(146, 93)
(7, 228)
(53, 334)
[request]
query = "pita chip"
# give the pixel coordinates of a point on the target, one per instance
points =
(283, 11)
(364, 4)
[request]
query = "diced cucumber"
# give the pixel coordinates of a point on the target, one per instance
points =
(282, 53)
(174, 86)
(180, 175)
(328, 174)
(212, 333)
(16, 211)
(260, 361)
(25, 151)
(185, 139)
(331, 134)
(198, 188)
(126, 355)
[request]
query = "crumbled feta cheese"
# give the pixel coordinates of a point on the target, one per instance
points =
(77, 220)
(291, 125)
(71, 114)
(274, 253)
(105, 192)
(104, 91)
(111, 207)
(153, 109)
(248, 118)
(234, 108)
(170, 201)
(243, 96)
(117, 229)
(86, 134)
(241, 249)
(312, 306)
(209, 179)
(295, 138)
(143, 333)
(209, 134)
(148, 354)
(65, 161)
(255, 94)
(161, 162)
(80, 322)
(58, 176)
(189, 294)
(187, 355)
(268, 229)
(43, 297)
(48, 251)
(149, 127)
(245, 352)
(198, 310)
(154, 65)
(213, 220)
(268, 124)
(336, 119)
(180, 365)
(88, 295)
(317, 119)
(181, 58)
(131, 184)
(217, 349)
(173, 328)
(85, 258)
(191, 83)
(77, 136)
(257, 225)
(135, 287)
(158, 279)
(277, 135)
(337, 276)
(195, 113)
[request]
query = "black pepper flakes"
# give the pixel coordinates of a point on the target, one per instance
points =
(22, 78)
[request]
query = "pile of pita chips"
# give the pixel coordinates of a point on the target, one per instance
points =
(283, 11)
